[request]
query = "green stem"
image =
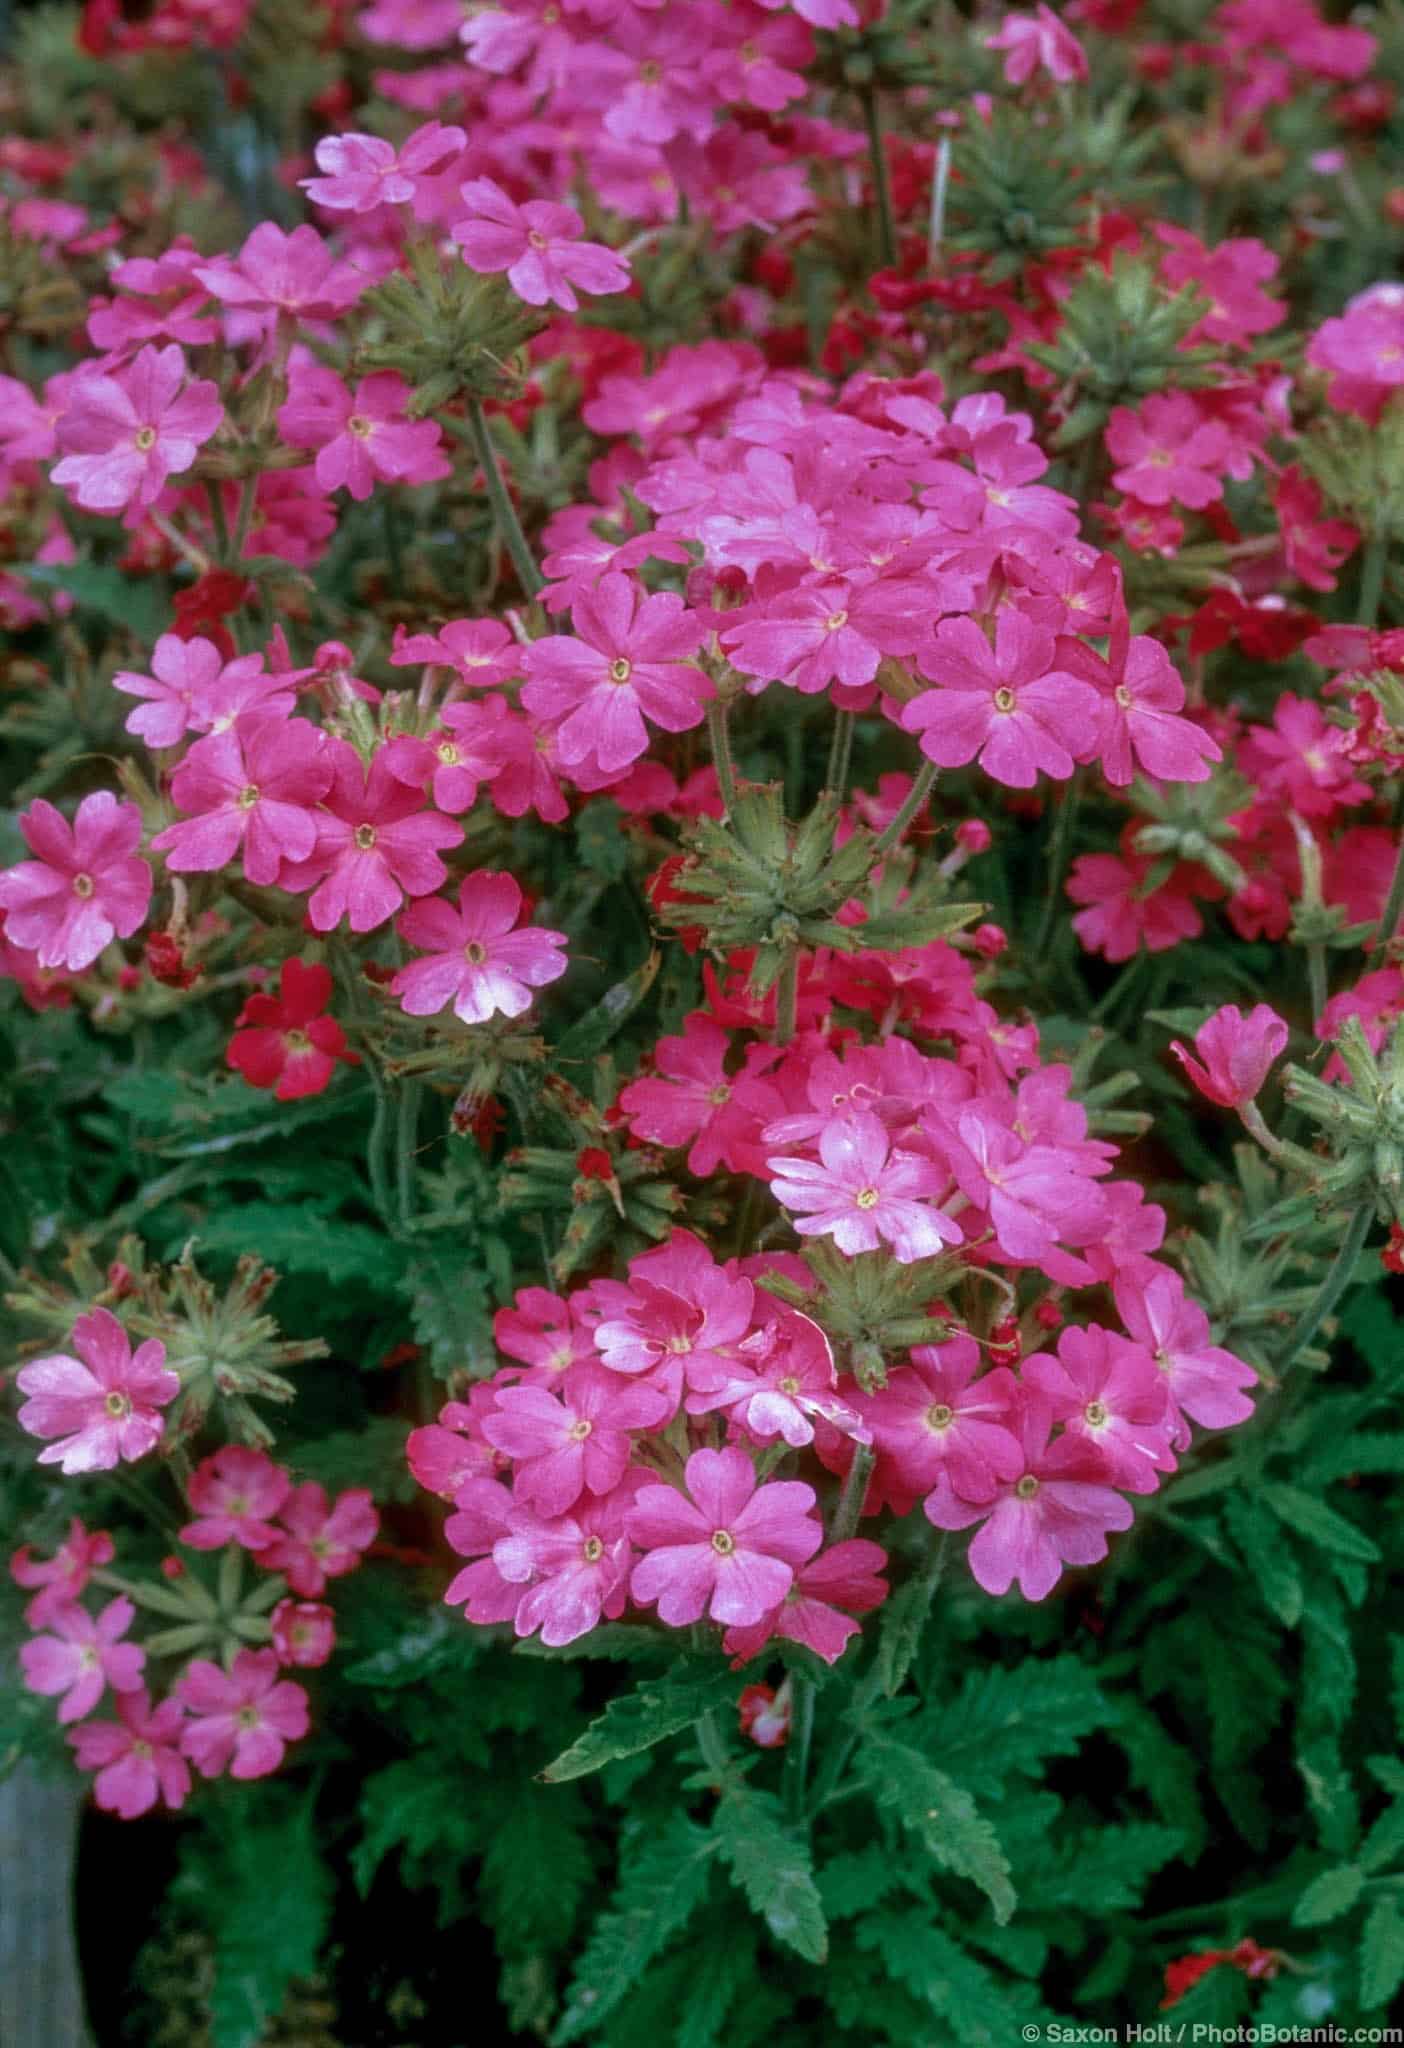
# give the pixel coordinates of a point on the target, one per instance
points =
(1372, 574)
(243, 520)
(1059, 845)
(855, 1487)
(840, 752)
(377, 1146)
(406, 1141)
(1316, 979)
(800, 1741)
(923, 783)
(504, 512)
(394, 547)
(787, 998)
(217, 519)
(1338, 1277)
(882, 183)
(1394, 902)
(713, 1746)
(719, 734)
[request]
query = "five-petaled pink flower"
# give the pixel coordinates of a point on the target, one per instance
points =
(287, 1042)
(727, 1547)
(304, 1633)
(818, 1610)
(317, 1541)
(234, 1493)
(628, 658)
(243, 1718)
(136, 1757)
(85, 886)
(360, 172)
(1235, 1053)
(59, 1580)
(538, 245)
(361, 437)
(476, 960)
(1006, 704)
(1140, 697)
(863, 1191)
(82, 1657)
(376, 844)
(1038, 41)
(102, 1407)
(1206, 1382)
(192, 688)
(572, 1438)
(690, 1100)
(122, 434)
(292, 273)
(257, 784)
(1167, 452)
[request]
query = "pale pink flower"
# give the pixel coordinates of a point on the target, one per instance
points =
(627, 657)
(255, 785)
(1107, 1391)
(275, 272)
(678, 1312)
(477, 960)
(192, 688)
(781, 1384)
(376, 844)
(485, 1512)
(136, 1757)
(242, 1719)
(1166, 451)
(321, 1541)
(538, 245)
(943, 1414)
(727, 1547)
(1235, 1053)
(235, 1492)
(569, 1572)
(85, 885)
(1039, 41)
(818, 1609)
(304, 1633)
(1206, 1382)
(122, 435)
(361, 437)
(360, 172)
(573, 1438)
(103, 1407)
(862, 1192)
(83, 1657)
(60, 1579)
(1006, 704)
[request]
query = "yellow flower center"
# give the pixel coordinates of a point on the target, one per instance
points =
(448, 753)
(365, 837)
(835, 621)
(939, 1416)
(1027, 1487)
(475, 952)
(621, 670)
(867, 1198)
(248, 796)
(719, 1095)
(1123, 696)
(789, 1385)
(83, 885)
(593, 1550)
(1095, 1414)
(296, 1041)
(117, 1404)
(723, 1542)
(246, 1717)
(145, 437)
(580, 1429)
(536, 239)
(1004, 700)
(360, 426)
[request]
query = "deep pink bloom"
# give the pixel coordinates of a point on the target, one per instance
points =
(1108, 1392)
(1314, 547)
(818, 1609)
(1167, 451)
(83, 1657)
(376, 844)
(304, 1633)
(481, 652)
(726, 1547)
(254, 785)
(476, 959)
(192, 688)
(443, 1454)
(780, 1384)
(537, 244)
(287, 1042)
(60, 1579)
(1229, 276)
(944, 1414)
(360, 172)
(541, 1330)
(836, 633)
(690, 1101)
(1302, 759)
(1039, 41)
(292, 273)
(1006, 704)
(136, 1757)
(361, 437)
(573, 1438)
(1120, 916)
(1058, 1511)
(244, 1718)
(1140, 696)
(862, 1192)
(103, 1410)
(628, 657)
(122, 435)
(321, 1542)
(235, 1492)
(85, 885)
(567, 1573)
(1206, 1382)
(485, 1514)
(1035, 1195)
(1364, 351)
(678, 1313)
(1236, 1053)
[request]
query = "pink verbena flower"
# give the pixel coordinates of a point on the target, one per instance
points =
(122, 435)
(943, 1414)
(727, 1547)
(136, 1757)
(1140, 696)
(485, 1514)
(1005, 704)
(542, 1330)
(1229, 276)
(862, 1192)
(1120, 916)
(85, 885)
(304, 1633)
(294, 273)
(321, 1541)
(83, 1657)
(1108, 1392)
(376, 844)
(242, 1719)
(361, 437)
(60, 1579)
(1235, 1053)
(538, 245)
(1206, 1382)
(481, 652)
(360, 172)
(1167, 451)
(679, 1313)
(255, 785)
(1058, 1511)
(103, 1407)
(443, 1454)
(476, 959)
(573, 1438)
(235, 1492)
(1040, 41)
(287, 1042)
(818, 1609)
(628, 657)
(192, 688)
(690, 1101)
(836, 633)
(568, 1572)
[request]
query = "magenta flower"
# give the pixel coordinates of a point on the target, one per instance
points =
(1236, 1053)
(781, 1385)
(572, 1439)
(244, 1718)
(678, 1312)
(1120, 915)
(1006, 703)
(862, 1192)
(83, 1657)
(481, 652)
(360, 172)
(443, 1454)
(284, 273)
(1038, 42)
(1140, 695)
(321, 1542)
(1168, 452)
(376, 844)
(235, 1492)
(568, 1573)
(361, 437)
(287, 1042)
(476, 959)
(304, 1633)
(192, 688)
(122, 435)
(628, 658)
(256, 785)
(1108, 1392)
(940, 1416)
(1035, 1195)
(136, 1757)
(541, 1330)
(1206, 1382)
(818, 1609)
(727, 1547)
(538, 245)
(103, 1407)
(60, 1579)
(485, 1514)
(85, 885)
(689, 1101)
(1058, 1511)
(838, 633)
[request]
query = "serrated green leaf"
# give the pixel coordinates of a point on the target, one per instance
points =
(592, 1032)
(1266, 1551)
(1328, 1896)
(1381, 1954)
(663, 1879)
(773, 1868)
(938, 1814)
(131, 601)
(656, 1709)
(1011, 1720)
(1314, 1522)
(293, 1238)
(979, 2011)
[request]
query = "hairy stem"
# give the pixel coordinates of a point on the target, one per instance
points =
(1059, 846)
(1372, 574)
(855, 1487)
(719, 734)
(882, 183)
(923, 783)
(840, 753)
(504, 512)
(1332, 1287)
(787, 998)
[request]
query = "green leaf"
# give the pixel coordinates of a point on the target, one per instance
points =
(979, 2011)
(851, 1883)
(1381, 1954)
(938, 1814)
(135, 602)
(293, 1238)
(656, 1709)
(773, 1868)
(1003, 1721)
(592, 1032)
(663, 1879)
(373, 1457)
(403, 1808)
(1258, 1536)
(904, 1617)
(536, 1866)
(1385, 1842)
(451, 1310)
(1100, 1870)
(1329, 1895)
(1314, 1522)
(601, 841)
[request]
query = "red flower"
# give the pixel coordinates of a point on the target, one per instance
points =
(292, 1047)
